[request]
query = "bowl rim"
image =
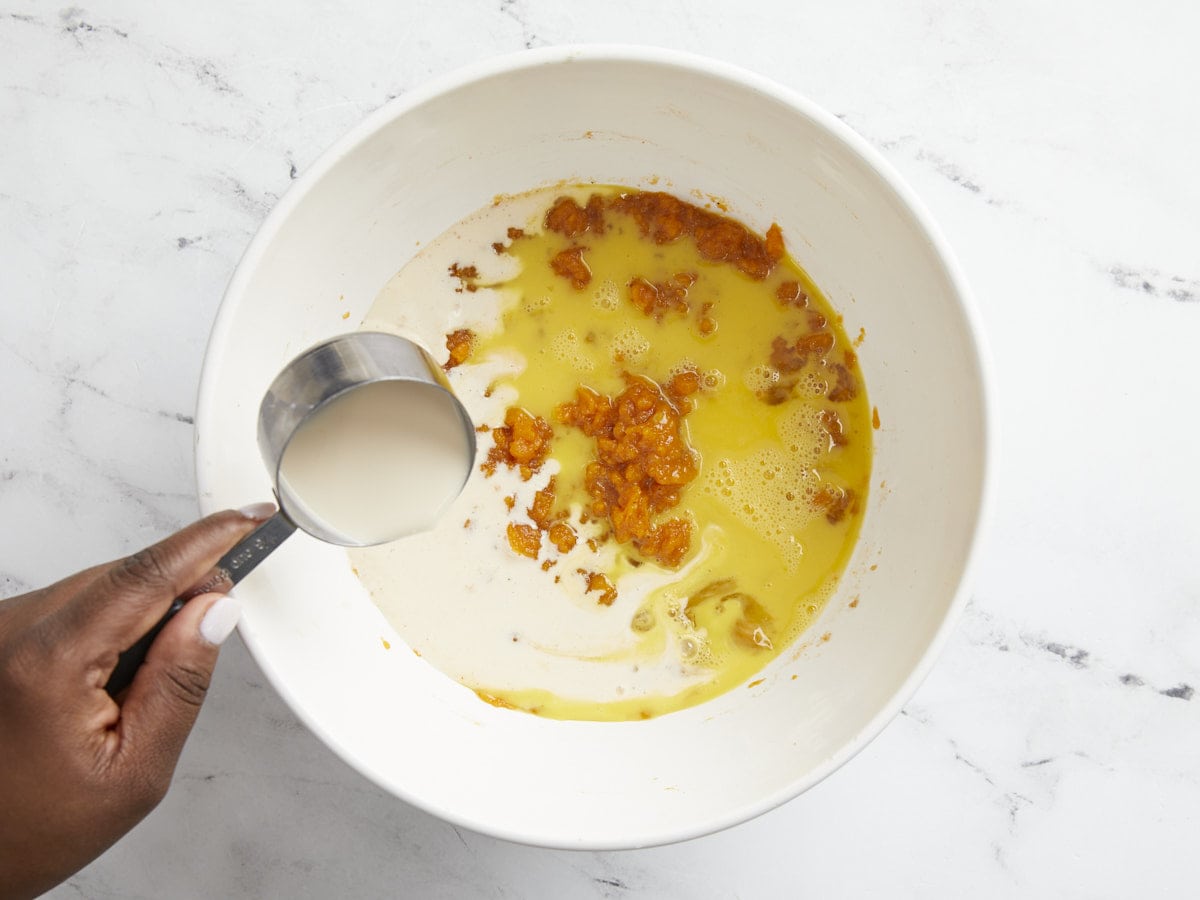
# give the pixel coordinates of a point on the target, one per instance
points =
(691, 62)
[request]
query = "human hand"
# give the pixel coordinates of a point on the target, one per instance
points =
(78, 768)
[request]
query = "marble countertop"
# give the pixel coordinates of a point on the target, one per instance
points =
(1054, 751)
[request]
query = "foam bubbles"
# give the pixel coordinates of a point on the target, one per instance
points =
(606, 296)
(770, 490)
(532, 304)
(630, 345)
(692, 648)
(803, 433)
(760, 379)
(687, 364)
(812, 385)
(567, 348)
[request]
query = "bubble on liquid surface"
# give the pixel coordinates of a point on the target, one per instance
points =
(760, 378)
(567, 348)
(630, 345)
(533, 303)
(606, 296)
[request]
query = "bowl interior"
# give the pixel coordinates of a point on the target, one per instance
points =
(626, 117)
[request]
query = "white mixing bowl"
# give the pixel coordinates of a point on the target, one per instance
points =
(619, 116)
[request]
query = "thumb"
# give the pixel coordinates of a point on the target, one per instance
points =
(165, 696)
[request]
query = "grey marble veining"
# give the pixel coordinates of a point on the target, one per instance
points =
(1052, 751)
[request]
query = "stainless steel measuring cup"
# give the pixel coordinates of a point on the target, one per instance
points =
(316, 378)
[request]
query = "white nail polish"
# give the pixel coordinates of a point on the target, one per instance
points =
(258, 511)
(218, 623)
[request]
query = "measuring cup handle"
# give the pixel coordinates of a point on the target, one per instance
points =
(255, 547)
(229, 570)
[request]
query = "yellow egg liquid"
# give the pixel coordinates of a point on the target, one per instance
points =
(764, 555)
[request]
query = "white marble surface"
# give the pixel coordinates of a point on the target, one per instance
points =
(1055, 750)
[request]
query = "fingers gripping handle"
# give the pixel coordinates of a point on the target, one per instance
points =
(229, 570)
(254, 548)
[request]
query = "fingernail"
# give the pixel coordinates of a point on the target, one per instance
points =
(259, 512)
(220, 620)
